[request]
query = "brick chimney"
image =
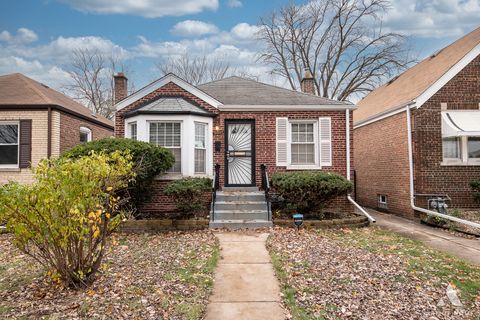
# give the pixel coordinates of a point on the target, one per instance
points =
(120, 86)
(308, 83)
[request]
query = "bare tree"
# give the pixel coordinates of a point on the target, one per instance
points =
(92, 75)
(200, 69)
(340, 42)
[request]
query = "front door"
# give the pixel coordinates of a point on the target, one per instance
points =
(240, 152)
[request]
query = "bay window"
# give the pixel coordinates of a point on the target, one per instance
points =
(9, 137)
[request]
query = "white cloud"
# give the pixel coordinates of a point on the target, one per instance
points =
(50, 75)
(234, 3)
(194, 28)
(22, 36)
(245, 31)
(145, 8)
(433, 18)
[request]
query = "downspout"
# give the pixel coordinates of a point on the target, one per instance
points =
(349, 197)
(49, 132)
(412, 187)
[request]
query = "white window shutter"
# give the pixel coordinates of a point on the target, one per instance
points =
(282, 141)
(325, 141)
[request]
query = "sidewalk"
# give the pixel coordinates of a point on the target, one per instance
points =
(245, 283)
(466, 249)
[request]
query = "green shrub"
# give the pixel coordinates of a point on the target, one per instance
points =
(476, 189)
(63, 219)
(189, 194)
(310, 191)
(149, 161)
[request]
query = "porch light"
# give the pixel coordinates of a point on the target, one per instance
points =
(298, 220)
(217, 128)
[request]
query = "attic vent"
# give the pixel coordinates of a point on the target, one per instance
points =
(392, 80)
(45, 86)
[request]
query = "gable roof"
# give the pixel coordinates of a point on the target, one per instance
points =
(170, 105)
(419, 83)
(19, 91)
(240, 91)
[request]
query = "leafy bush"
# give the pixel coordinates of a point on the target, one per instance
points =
(476, 189)
(309, 191)
(149, 161)
(63, 219)
(189, 194)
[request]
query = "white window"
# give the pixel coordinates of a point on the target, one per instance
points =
(169, 136)
(200, 147)
(382, 201)
(473, 147)
(452, 148)
(9, 137)
(85, 134)
(133, 130)
(304, 144)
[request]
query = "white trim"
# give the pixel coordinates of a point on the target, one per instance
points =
(452, 72)
(290, 107)
(347, 138)
(17, 165)
(88, 131)
(187, 143)
(383, 115)
(160, 83)
(428, 93)
(316, 145)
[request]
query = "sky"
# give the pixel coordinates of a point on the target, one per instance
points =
(37, 37)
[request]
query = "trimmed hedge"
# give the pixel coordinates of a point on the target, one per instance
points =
(189, 194)
(149, 161)
(310, 191)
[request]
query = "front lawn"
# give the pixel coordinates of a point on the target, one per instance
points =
(164, 276)
(369, 274)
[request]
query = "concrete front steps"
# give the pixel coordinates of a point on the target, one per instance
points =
(240, 208)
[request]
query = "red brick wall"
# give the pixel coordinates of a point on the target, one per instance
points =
(70, 131)
(381, 164)
(265, 140)
(462, 92)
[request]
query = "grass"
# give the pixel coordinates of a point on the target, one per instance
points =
(298, 313)
(422, 260)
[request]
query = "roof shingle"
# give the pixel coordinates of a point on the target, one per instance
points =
(17, 90)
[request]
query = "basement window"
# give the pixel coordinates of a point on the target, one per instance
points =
(383, 201)
(85, 135)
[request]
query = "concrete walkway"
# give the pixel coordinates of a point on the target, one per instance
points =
(245, 283)
(466, 249)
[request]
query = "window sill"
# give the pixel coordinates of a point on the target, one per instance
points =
(177, 176)
(10, 169)
(459, 164)
(299, 167)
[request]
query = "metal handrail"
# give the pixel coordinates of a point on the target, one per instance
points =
(215, 186)
(266, 188)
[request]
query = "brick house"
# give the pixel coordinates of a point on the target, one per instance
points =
(436, 106)
(37, 122)
(238, 124)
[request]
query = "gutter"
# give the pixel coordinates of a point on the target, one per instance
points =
(412, 187)
(349, 197)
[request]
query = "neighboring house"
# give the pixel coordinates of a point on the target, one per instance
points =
(37, 122)
(238, 124)
(435, 104)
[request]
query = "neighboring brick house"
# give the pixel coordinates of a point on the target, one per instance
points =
(238, 124)
(439, 100)
(37, 122)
